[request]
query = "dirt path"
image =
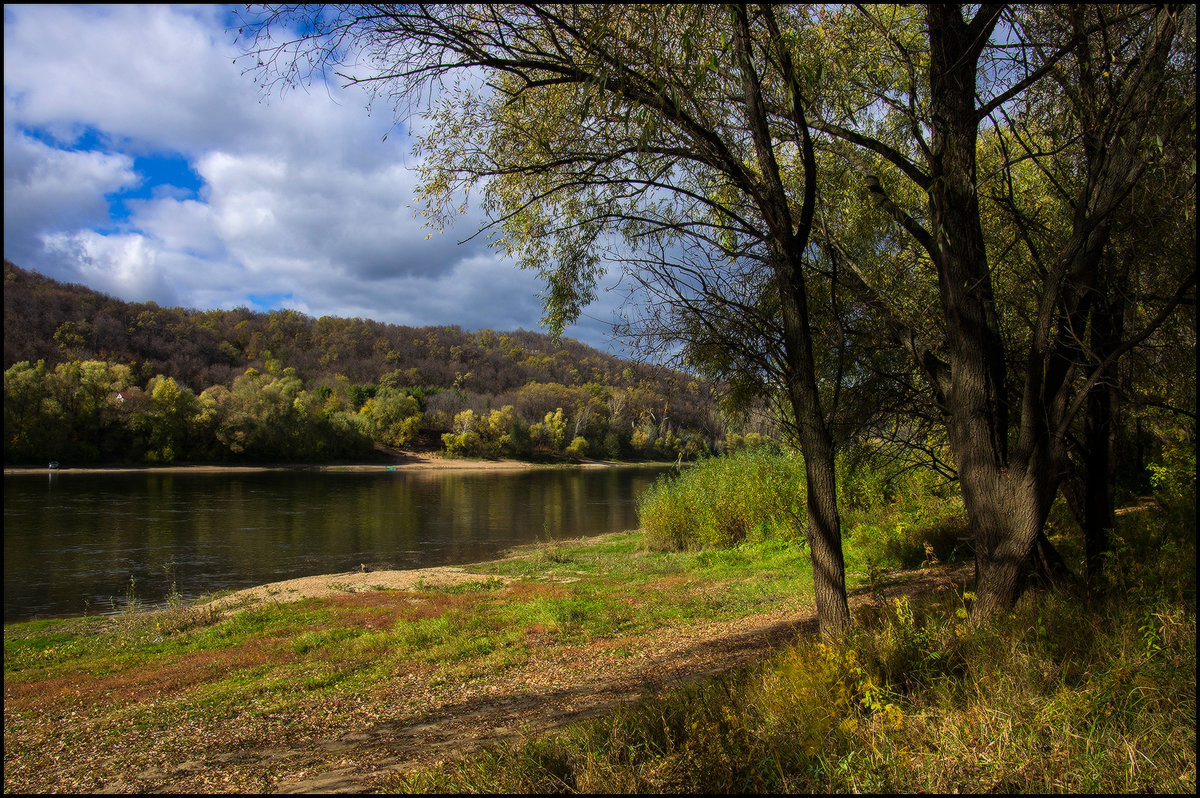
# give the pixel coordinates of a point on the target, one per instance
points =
(413, 721)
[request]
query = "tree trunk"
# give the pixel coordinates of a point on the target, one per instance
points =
(1046, 565)
(824, 535)
(1011, 549)
(1100, 425)
(789, 237)
(823, 531)
(1099, 499)
(1003, 505)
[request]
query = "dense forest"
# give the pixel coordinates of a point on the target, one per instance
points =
(90, 378)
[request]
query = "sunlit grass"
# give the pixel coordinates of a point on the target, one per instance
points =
(325, 649)
(1066, 694)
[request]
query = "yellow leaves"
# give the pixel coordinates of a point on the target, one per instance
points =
(894, 716)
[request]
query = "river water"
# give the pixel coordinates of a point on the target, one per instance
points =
(73, 541)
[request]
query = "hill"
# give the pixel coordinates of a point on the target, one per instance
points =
(619, 406)
(45, 319)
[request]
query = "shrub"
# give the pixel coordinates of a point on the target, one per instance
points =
(499, 434)
(578, 447)
(1174, 480)
(721, 501)
(394, 417)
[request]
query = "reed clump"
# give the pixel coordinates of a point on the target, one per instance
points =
(752, 494)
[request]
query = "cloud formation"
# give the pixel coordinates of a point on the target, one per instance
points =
(138, 160)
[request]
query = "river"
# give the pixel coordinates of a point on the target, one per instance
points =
(74, 541)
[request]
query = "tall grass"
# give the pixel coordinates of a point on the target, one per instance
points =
(752, 494)
(891, 518)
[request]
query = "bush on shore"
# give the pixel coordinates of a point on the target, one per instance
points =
(722, 501)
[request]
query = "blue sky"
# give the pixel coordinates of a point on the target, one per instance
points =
(141, 162)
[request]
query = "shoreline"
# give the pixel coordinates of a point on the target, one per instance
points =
(422, 461)
(324, 585)
(429, 577)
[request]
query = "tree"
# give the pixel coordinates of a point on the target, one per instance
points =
(167, 424)
(905, 111)
(689, 144)
(28, 397)
(641, 131)
(395, 417)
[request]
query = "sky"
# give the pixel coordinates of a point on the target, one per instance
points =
(140, 161)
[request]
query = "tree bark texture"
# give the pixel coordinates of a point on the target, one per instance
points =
(1003, 507)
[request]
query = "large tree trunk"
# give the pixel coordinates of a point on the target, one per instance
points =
(1003, 503)
(1011, 549)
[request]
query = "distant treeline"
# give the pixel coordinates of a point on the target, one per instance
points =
(90, 378)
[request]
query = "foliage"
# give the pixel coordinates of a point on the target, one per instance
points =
(901, 513)
(61, 409)
(1173, 479)
(91, 411)
(500, 433)
(897, 517)
(722, 501)
(348, 361)
(394, 417)
(551, 432)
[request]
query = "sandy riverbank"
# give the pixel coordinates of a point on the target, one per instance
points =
(423, 461)
(366, 580)
(322, 585)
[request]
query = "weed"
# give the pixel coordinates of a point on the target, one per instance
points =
(549, 551)
(132, 602)
(483, 586)
(174, 599)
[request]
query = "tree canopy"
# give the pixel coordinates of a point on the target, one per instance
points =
(926, 209)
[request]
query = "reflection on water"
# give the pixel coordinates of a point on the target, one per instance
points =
(72, 541)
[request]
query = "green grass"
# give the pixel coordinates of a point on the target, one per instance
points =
(1067, 694)
(318, 650)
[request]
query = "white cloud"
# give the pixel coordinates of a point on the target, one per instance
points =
(49, 189)
(124, 265)
(301, 196)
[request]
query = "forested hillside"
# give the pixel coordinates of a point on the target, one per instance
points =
(89, 378)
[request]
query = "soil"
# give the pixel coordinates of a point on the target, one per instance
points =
(417, 719)
(362, 581)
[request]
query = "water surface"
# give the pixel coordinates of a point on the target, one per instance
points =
(72, 542)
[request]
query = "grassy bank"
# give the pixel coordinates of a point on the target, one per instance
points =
(91, 702)
(1072, 692)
